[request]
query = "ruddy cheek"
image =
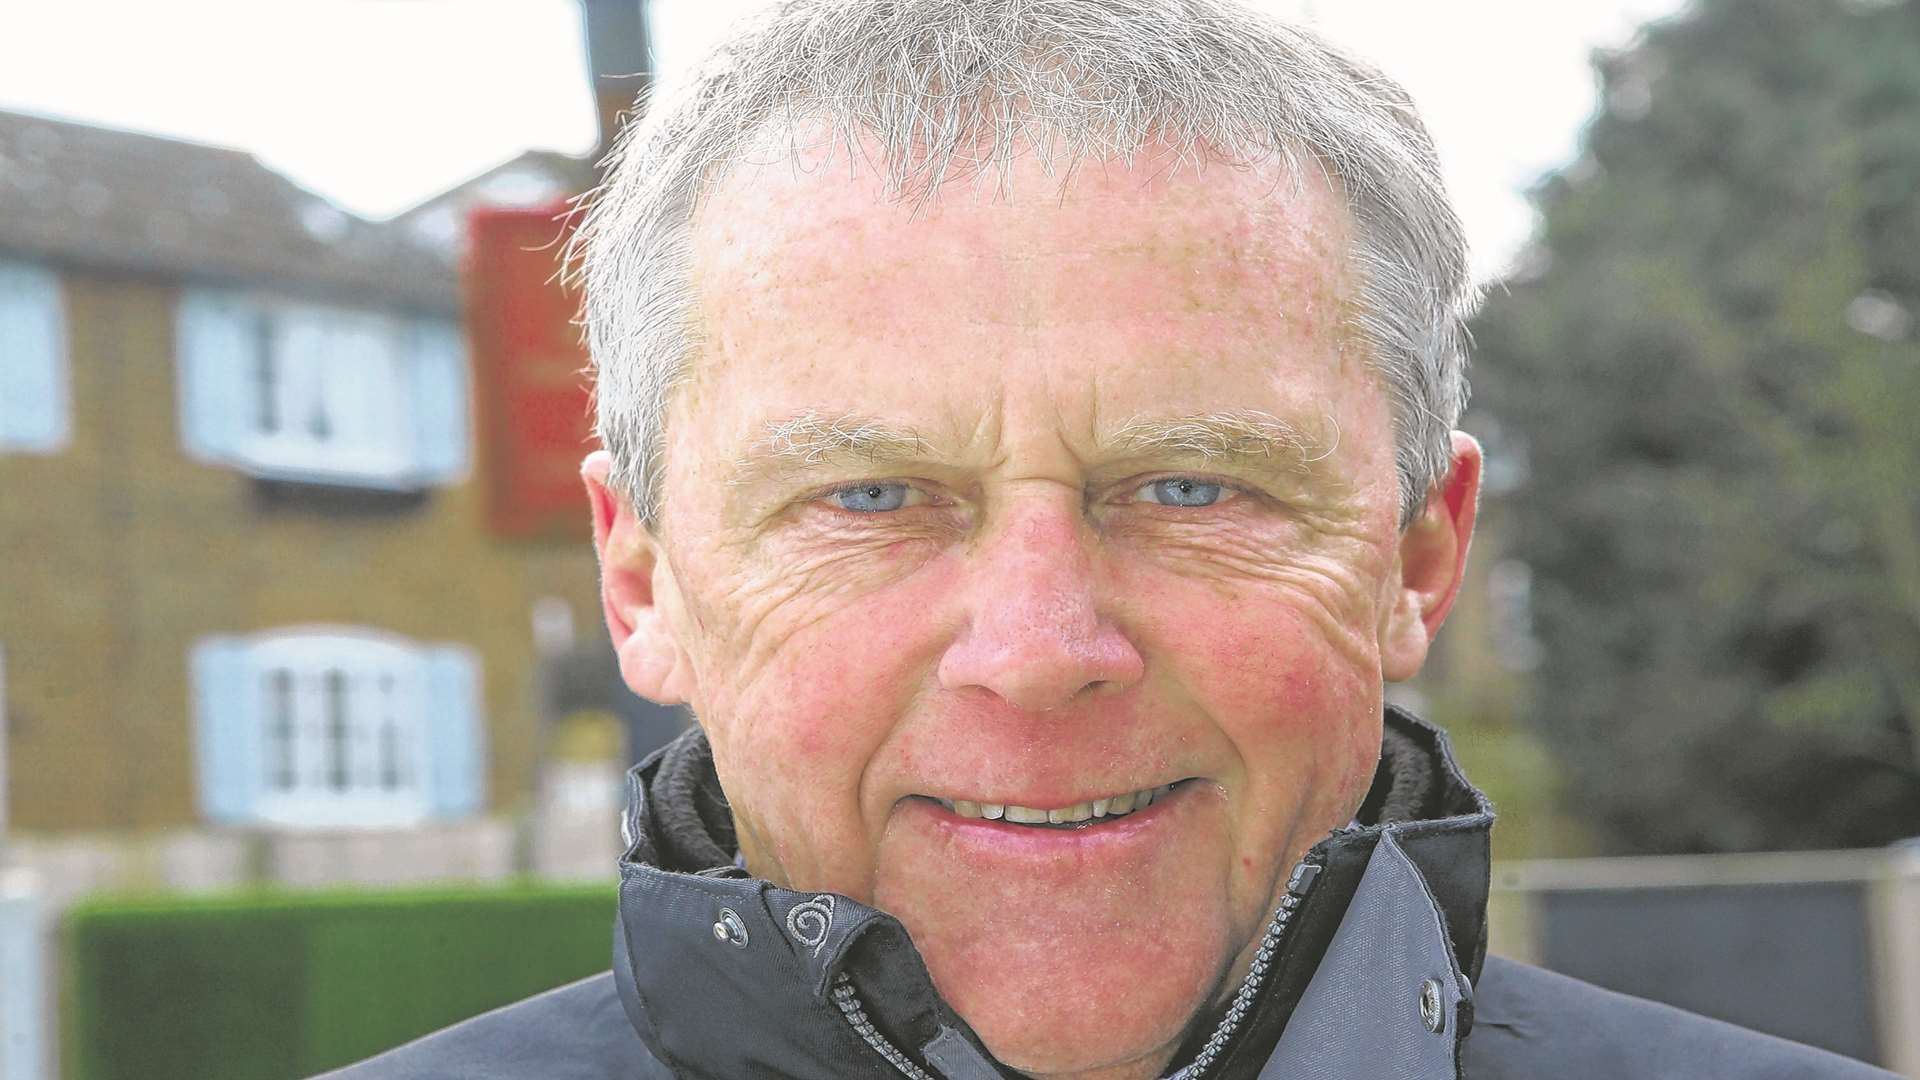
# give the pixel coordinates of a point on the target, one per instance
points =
(1300, 712)
(849, 677)
(1267, 665)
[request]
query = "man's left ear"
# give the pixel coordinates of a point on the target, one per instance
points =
(1431, 562)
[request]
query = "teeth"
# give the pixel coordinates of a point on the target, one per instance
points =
(1111, 806)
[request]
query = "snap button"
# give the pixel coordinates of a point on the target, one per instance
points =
(1433, 1012)
(730, 929)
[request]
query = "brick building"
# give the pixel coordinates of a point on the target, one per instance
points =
(246, 580)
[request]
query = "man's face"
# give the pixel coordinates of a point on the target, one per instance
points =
(1034, 503)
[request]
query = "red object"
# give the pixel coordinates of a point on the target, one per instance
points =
(530, 372)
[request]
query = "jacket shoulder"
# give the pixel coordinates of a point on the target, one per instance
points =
(575, 1032)
(1529, 1023)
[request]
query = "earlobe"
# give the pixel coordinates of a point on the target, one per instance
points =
(636, 591)
(1431, 564)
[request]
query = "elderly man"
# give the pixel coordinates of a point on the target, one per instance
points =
(1028, 451)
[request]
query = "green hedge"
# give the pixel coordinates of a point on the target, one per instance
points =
(277, 986)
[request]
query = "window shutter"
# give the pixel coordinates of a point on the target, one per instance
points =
(455, 727)
(437, 370)
(216, 339)
(33, 362)
(226, 711)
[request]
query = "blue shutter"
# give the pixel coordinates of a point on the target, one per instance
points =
(437, 373)
(216, 345)
(33, 361)
(226, 714)
(455, 728)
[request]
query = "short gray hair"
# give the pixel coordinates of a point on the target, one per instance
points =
(949, 88)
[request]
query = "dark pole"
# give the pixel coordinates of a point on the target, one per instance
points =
(617, 45)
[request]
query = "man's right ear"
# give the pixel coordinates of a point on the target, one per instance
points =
(636, 588)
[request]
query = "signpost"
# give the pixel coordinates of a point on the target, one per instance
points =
(530, 373)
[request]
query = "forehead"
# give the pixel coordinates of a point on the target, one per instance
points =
(1161, 287)
(1179, 231)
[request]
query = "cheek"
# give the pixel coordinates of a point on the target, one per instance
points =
(1299, 701)
(849, 673)
(1258, 648)
(804, 695)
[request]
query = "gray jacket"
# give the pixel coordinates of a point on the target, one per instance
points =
(1373, 966)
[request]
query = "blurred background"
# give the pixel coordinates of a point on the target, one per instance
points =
(310, 737)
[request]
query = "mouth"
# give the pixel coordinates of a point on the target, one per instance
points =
(1080, 815)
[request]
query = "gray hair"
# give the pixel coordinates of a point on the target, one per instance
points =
(952, 88)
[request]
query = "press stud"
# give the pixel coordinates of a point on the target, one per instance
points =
(1433, 1011)
(730, 929)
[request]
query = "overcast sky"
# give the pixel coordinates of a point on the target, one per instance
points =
(378, 104)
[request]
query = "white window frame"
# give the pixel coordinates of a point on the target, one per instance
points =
(341, 715)
(302, 392)
(294, 382)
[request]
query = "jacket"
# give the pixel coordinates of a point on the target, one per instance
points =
(1374, 965)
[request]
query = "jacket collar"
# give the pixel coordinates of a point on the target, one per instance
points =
(724, 975)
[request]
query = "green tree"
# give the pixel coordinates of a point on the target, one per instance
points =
(1710, 363)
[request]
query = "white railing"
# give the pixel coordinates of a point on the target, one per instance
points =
(24, 1035)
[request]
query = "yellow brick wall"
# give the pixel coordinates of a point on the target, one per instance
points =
(120, 552)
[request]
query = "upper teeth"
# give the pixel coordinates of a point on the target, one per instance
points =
(1111, 806)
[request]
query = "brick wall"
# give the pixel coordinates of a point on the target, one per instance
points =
(121, 552)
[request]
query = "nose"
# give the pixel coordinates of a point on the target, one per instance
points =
(1036, 635)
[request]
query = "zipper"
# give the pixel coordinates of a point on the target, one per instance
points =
(1302, 879)
(847, 1000)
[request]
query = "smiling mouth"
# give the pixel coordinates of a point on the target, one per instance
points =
(1077, 816)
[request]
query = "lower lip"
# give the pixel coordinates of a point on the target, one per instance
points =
(1122, 831)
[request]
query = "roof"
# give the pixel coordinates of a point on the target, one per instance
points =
(100, 197)
(535, 178)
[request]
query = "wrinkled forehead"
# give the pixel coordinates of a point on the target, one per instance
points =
(1188, 228)
(1038, 164)
(1150, 291)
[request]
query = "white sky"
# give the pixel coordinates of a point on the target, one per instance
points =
(378, 104)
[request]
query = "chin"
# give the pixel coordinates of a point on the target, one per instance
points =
(1070, 955)
(1117, 1032)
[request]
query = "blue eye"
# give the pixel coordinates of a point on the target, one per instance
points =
(872, 498)
(1181, 491)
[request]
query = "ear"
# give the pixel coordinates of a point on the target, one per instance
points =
(637, 591)
(1431, 561)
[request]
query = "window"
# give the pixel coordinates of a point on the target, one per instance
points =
(33, 361)
(330, 727)
(304, 392)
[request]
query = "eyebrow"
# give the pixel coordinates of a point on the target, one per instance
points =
(811, 441)
(1244, 440)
